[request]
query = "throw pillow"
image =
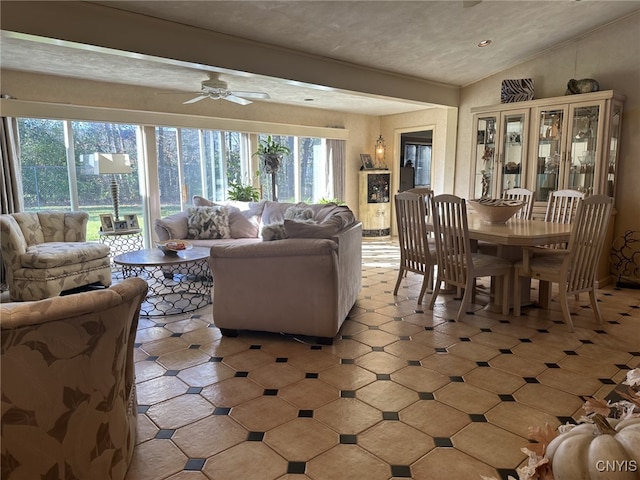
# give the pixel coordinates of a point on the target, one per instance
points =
(208, 223)
(274, 231)
(297, 212)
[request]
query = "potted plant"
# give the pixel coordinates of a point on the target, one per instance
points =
(243, 193)
(271, 153)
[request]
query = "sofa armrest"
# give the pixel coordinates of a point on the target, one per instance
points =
(12, 241)
(172, 227)
(289, 247)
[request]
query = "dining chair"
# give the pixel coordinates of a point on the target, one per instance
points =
(573, 268)
(417, 254)
(521, 194)
(562, 206)
(427, 193)
(457, 265)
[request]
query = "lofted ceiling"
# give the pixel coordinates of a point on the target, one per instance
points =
(430, 40)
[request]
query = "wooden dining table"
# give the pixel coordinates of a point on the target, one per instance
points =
(510, 237)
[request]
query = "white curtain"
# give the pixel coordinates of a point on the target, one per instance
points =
(336, 151)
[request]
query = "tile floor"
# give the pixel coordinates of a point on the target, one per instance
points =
(402, 393)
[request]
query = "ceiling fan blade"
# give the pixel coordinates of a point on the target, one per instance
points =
(194, 100)
(238, 100)
(254, 95)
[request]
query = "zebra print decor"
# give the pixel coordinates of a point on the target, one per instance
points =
(516, 90)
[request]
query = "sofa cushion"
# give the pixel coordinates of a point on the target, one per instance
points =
(173, 226)
(340, 219)
(59, 254)
(208, 222)
(244, 217)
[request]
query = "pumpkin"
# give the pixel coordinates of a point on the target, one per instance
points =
(608, 449)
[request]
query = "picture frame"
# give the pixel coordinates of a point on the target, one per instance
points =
(367, 163)
(106, 222)
(120, 225)
(132, 221)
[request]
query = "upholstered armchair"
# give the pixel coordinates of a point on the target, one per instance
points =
(46, 253)
(69, 406)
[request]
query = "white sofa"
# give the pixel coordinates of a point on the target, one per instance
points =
(304, 284)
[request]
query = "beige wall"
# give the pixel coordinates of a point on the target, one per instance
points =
(611, 55)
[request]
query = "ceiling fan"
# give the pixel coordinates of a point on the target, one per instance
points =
(216, 89)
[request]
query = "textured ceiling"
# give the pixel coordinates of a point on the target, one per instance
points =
(433, 40)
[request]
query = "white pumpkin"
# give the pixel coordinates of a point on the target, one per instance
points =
(608, 449)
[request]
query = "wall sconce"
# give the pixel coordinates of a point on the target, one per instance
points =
(109, 163)
(380, 151)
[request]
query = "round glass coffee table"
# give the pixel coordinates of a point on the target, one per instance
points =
(178, 283)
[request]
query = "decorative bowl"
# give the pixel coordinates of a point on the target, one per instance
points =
(495, 210)
(172, 247)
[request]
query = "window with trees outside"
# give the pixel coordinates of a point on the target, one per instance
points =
(189, 162)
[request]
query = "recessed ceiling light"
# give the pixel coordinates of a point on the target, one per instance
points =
(484, 43)
(308, 99)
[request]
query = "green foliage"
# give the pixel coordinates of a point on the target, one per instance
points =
(244, 193)
(269, 146)
(331, 200)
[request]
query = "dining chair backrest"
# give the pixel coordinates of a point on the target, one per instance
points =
(452, 239)
(521, 194)
(562, 206)
(412, 232)
(588, 235)
(427, 193)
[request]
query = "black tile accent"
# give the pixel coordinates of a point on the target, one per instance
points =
(414, 363)
(542, 330)
(607, 381)
(613, 322)
(465, 339)
(255, 436)
(347, 361)
(194, 347)
(441, 350)
(505, 473)
(383, 376)
(165, 434)
(171, 373)
(374, 327)
(622, 366)
(349, 439)
(316, 347)
(456, 378)
(346, 337)
(565, 420)
(270, 392)
(194, 390)
(587, 342)
(506, 351)
(390, 416)
(177, 335)
(241, 374)
(215, 359)
(305, 413)
(505, 397)
(404, 338)
(348, 393)
(152, 358)
(195, 464)
(426, 396)
(377, 349)
(221, 410)
(505, 321)
(160, 324)
(530, 379)
(311, 375)
(418, 311)
(483, 364)
(635, 354)
(143, 408)
(137, 345)
(603, 332)
(486, 330)
(428, 329)
(443, 442)
(478, 417)
(570, 352)
(255, 347)
(401, 471)
(552, 365)
(282, 360)
(297, 467)
(525, 340)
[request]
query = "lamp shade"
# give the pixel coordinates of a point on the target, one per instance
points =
(107, 163)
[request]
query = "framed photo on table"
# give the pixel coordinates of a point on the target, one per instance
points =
(120, 225)
(106, 222)
(367, 163)
(132, 221)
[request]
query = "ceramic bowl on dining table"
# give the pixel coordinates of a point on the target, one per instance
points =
(495, 210)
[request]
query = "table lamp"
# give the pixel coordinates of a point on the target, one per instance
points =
(110, 163)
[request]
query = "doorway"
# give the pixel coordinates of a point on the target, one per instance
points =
(415, 159)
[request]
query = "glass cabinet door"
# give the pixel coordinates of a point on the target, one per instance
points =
(485, 156)
(616, 116)
(550, 151)
(584, 148)
(513, 145)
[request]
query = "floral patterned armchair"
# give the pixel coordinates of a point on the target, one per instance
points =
(46, 253)
(69, 406)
